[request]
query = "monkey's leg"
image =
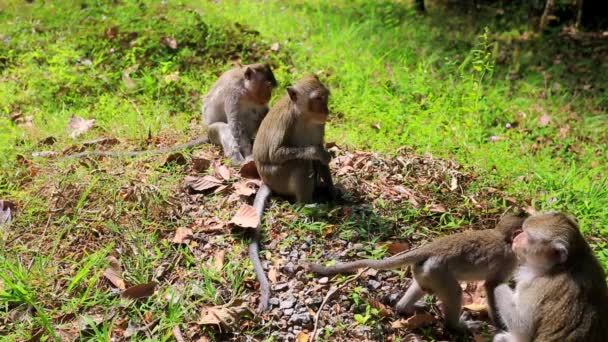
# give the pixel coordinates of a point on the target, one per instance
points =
(324, 185)
(220, 134)
(443, 284)
(302, 182)
(412, 295)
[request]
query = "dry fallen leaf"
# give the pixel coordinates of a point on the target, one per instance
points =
(249, 170)
(222, 171)
(438, 208)
(112, 32)
(397, 247)
(384, 311)
(245, 188)
(376, 127)
(126, 76)
(272, 275)
(218, 260)
(246, 217)
(302, 337)
(544, 120)
(112, 273)
(476, 307)
(140, 290)
(416, 321)
(275, 47)
(100, 142)
(197, 183)
(223, 315)
(200, 164)
(78, 125)
(168, 42)
(182, 235)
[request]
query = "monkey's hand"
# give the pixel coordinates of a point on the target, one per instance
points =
(237, 157)
(323, 155)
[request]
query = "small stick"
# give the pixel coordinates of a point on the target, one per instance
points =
(329, 294)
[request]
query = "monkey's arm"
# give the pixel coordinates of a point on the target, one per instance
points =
(517, 315)
(243, 148)
(285, 153)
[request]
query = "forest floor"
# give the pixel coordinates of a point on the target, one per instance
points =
(439, 123)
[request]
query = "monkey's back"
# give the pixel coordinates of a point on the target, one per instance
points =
(213, 104)
(574, 305)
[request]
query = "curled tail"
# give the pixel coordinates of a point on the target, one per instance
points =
(259, 203)
(406, 258)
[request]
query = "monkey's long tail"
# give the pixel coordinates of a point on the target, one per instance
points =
(189, 144)
(259, 203)
(406, 258)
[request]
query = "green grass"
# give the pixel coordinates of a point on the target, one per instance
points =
(443, 84)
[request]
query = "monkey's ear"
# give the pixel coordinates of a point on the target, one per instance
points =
(293, 95)
(248, 73)
(560, 251)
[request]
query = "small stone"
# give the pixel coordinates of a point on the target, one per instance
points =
(300, 319)
(393, 298)
(374, 284)
(283, 323)
(288, 303)
(323, 280)
(304, 246)
(288, 312)
(281, 287)
(274, 301)
(289, 268)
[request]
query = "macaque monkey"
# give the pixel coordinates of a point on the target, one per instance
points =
(438, 266)
(561, 292)
(235, 106)
(288, 150)
(290, 157)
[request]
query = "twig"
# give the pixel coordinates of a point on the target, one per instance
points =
(328, 295)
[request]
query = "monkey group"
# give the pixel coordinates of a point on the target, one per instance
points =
(560, 289)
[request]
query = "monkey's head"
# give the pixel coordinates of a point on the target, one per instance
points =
(310, 97)
(548, 240)
(511, 224)
(259, 82)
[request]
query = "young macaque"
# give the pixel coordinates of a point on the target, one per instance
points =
(235, 106)
(561, 292)
(290, 157)
(288, 150)
(438, 266)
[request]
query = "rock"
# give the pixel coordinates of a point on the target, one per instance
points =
(374, 284)
(323, 280)
(288, 312)
(288, 303)
(281, 287)
(301, 319)
(393, 298)
(283, 323)
(274, 301)
(289, 268)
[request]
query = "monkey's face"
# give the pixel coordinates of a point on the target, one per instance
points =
(259, 82)
(317, 106)
(538, 249)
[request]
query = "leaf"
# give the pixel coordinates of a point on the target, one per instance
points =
(182, 235)
(272, 275)
(222, 171)
(376, 127)
(197, 183)
(416, 321)
(112, 32)
(476, 307)
(382, 309)
(544, 120)
(302, 337)
(126, 76)
(218, 260)
(78, 125)
(243, 188)
(50, 140)
(249, 170)
(246, 217)
(397, 247)
(6, 212)
(223, 315)
(438, 208)
(100, 142)
(275, 47)
(176, 158)
(168, 41)
(140, 291)
(200, 164)
(112, 273)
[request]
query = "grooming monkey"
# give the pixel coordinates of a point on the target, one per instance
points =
(438, 266)
(290, 157)
(235, 106)
(561, 292)
(232, 110)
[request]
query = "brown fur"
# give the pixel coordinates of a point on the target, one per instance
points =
(440, 264)
(235, 106)
(561, 292)
(288, 150)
